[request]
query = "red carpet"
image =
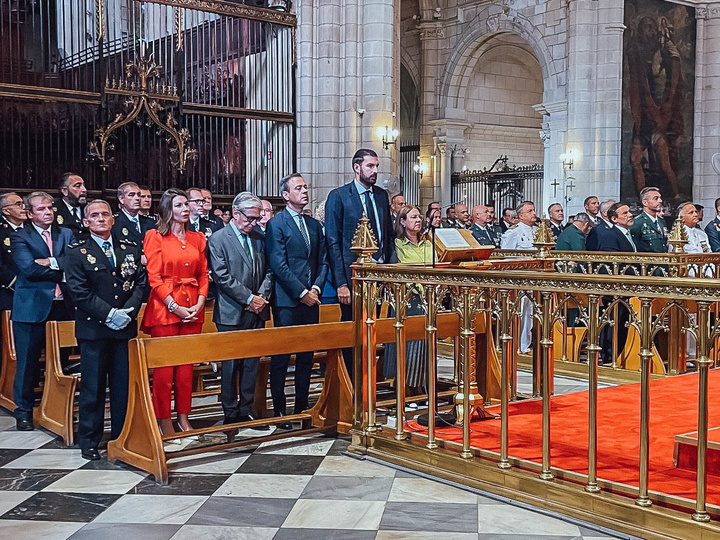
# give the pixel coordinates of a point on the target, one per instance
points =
(673, 410)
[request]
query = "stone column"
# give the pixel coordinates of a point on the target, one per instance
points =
(346, 87)
(448, 138)
(554, 135)
(707, 107)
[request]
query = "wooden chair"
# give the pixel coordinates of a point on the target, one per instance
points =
(9, 360)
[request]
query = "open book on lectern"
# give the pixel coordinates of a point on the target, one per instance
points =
(459, 245)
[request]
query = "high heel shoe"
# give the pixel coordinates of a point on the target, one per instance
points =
(190, 437)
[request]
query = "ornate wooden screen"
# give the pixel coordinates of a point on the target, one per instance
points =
(231, 66)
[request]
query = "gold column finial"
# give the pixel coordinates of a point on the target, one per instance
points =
(544, 239)
(364, 242)
(678, 237)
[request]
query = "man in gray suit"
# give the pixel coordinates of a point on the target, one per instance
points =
(242, 275)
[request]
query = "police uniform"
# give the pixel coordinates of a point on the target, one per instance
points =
(208, 227)
(69, 220)
(649, 234)
(125, 229)
(8, 273)
(518, 236)
(97, 285)
(556, 229)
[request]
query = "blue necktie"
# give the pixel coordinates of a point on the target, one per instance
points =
(109, 253)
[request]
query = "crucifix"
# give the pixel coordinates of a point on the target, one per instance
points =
(555, 185)
(568, 187)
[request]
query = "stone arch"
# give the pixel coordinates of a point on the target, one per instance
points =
(488, 24)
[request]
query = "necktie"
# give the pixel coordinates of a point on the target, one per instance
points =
(196, 226)
(246, 245)
(48, 240)
(108, 253)
(77, 215)
(629, 237)
(136, 221)
(372, 216)
(303, 232)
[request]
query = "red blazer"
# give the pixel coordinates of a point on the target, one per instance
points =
(177, 269)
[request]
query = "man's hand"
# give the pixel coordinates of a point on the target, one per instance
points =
(257, 304)
(42, 262)
(311, 298)
(343, 294)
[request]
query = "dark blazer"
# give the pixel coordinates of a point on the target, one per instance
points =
(124, 229)
(294, 269)
(713, 231)
(343, 210)
(237, 277)
(95, 286)
(487, 236)
(614, 240)
(556, 230)
(571, 239)
(35, 285)
(65, 219)
(595, 234)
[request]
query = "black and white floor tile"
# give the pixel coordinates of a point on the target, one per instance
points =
(303, 488)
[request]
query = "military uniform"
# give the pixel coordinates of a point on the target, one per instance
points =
(649, 234)
(556, 229)
(713, 232)
(486, 236)
(205, 226)
(64, 218)
(518, 236)
(96, 286)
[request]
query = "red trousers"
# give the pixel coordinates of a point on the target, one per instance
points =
(163, 376)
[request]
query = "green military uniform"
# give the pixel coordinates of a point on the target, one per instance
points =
(650, 236)
(570, 239)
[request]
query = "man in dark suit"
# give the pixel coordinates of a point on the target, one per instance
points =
(198, 221)
(12, 208)
(397, 201)
(296, 250)
(601, 227)
(509, 218)
(238, 262)
(69, 208)
(106, 282)
(207, 211)
(343, 209)
(592, 209)
(617, 239)
(129, 223)
(713, 229)
(39, 295)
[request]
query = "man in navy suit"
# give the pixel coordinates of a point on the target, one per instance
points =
(298, 258)
(617, 239)
(39, 295)
(713, 229)
(343, 209)
(601, 227)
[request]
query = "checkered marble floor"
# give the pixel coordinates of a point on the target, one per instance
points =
(292, 489)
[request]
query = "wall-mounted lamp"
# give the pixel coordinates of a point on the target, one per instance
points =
(568, 159)
(420, 168)
(388, 136)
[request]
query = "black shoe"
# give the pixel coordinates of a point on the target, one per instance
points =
(24, 424)
(90, 453)
(250, 418)
(283, 425)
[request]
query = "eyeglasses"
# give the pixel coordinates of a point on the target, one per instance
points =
(251, 219)
(197, 201)
(19, 204)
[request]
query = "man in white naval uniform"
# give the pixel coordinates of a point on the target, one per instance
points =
(698, 242)
(521, 236)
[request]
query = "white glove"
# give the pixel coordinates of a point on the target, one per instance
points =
(118, 319)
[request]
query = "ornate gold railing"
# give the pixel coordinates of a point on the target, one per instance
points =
(495, 299)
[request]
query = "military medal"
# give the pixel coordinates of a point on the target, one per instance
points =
(126, 286)
(60, 220)
(125, 231)
(122, 246)
(7, 241)
(91, 259)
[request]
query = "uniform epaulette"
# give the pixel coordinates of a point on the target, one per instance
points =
(127, 242)
(513, 226)
(76, 244)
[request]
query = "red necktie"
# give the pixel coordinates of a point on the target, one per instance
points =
(49, 242)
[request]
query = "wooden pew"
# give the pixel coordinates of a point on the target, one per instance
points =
(141, 445)
(9, 360)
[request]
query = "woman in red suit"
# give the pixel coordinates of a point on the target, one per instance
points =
(178, 279)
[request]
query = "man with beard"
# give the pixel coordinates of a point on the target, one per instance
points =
(69, 208)
(648, 230)
(343, 209)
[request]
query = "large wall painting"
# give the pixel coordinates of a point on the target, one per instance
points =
(658, 103)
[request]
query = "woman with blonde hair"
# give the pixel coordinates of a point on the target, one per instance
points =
(178, 280)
